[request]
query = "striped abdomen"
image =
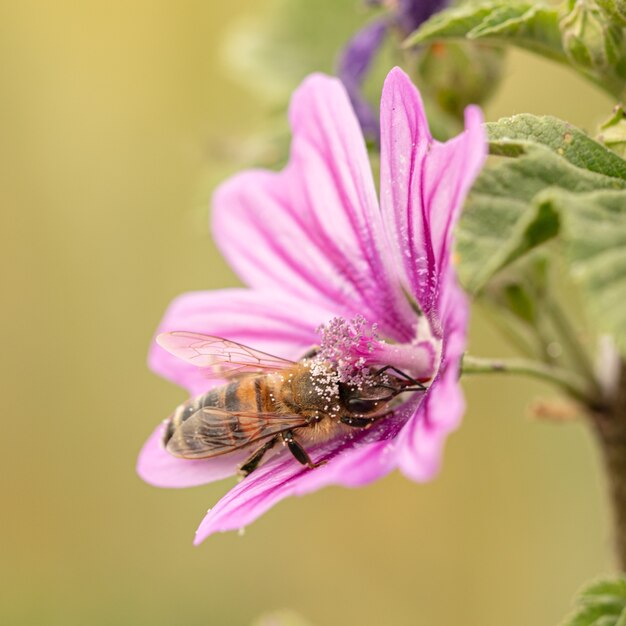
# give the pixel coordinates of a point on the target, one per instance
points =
(194, 431)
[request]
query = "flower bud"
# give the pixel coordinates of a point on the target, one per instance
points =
(591, 40)
(457, 74)
(616, 9)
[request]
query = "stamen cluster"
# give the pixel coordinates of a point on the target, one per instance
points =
(346, 345)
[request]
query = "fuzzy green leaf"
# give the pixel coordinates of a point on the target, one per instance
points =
(562, 138)
(524, 24)
(602, 603)
(614, 131)
(503, 220)
(622, 619)
(591, 616)
(452, 23)
(614, 588)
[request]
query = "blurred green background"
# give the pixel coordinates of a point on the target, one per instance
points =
(116, 119)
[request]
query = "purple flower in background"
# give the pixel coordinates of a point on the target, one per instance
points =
(407, 15)
(318, 250)
(353, 66)
(358, 54)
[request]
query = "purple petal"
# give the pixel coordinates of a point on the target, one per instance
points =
(412, 13)
(352, 68)
(409, 14)
(423, 185)
(405, 140)
(314, 230)
(420, 443)
(159, 468)
(352, 462)
(270, 322)
(450, 171)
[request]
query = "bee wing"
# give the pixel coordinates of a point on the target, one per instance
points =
(211, 431)
(222, 357)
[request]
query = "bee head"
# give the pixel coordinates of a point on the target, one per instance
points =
(366, 399)
(377, 394)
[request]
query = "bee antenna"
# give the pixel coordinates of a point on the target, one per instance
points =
(420, 388)
(389, 387)
(405, 377)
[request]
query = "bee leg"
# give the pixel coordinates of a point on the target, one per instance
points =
(252, 462)
(298, 451)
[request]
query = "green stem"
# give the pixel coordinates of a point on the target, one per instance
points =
(574, 385)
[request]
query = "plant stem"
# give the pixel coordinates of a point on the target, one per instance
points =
(574, 385)
(610, 429)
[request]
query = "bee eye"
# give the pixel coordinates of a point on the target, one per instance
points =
(358, 405)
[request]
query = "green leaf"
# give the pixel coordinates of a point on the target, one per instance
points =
(453, 23)
(591, 616)
(536, 28)
(613, 130)
(622, 619)
(562, 138)
(614, 588)
(579, 34)
(594, 234)
(524, 24)
(602, 603)
(502, 220)
(554, 183)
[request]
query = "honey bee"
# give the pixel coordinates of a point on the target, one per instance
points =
(267, 400)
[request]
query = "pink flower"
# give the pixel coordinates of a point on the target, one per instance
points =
(317, 249)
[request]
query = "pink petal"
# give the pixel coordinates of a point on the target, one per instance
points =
(159, 468)
(354, 462)
(314, 230)
(270, 322)
(419, 445)
(423, 184)
(450, 171)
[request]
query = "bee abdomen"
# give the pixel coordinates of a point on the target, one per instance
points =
(187, 409)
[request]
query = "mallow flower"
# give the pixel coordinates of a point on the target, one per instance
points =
(327, 264)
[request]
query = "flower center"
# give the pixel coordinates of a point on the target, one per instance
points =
(354, 347)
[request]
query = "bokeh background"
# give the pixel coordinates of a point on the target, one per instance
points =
(116, 120)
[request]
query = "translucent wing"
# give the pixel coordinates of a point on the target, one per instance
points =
(223, 358)
(211, 432)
